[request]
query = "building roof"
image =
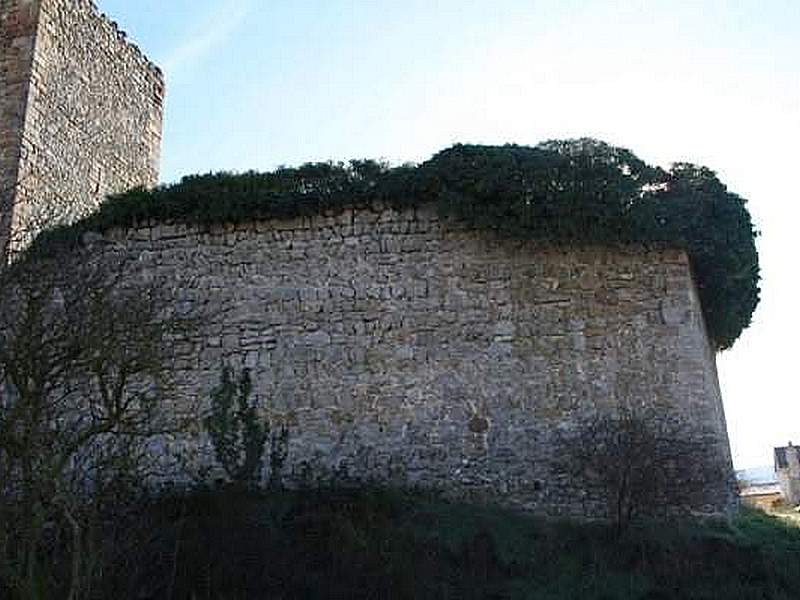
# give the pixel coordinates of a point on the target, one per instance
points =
(761, 490)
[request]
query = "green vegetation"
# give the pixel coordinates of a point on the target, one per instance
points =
(233, 543)
(574, 192)
(237, 434)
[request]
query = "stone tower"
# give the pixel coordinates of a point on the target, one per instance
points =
(80, 115)
(787, 469)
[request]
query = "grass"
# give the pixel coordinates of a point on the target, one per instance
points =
(231, 544)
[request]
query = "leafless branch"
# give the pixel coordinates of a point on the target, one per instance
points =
(83, 381)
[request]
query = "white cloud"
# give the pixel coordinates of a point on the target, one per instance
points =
(206, 34)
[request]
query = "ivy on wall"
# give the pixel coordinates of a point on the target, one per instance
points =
(566, 192)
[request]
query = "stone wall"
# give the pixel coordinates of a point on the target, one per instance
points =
(17, 34)
(92, 113)
(404, 350)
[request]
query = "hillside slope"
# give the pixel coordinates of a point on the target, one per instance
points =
(378, 544)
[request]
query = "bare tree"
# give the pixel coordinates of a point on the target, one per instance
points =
(82, 377)
(640, 462)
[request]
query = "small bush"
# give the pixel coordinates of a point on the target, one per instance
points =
(239, 435)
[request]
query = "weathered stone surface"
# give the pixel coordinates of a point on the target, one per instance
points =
(396, 348)
(439, 357)
(80, 114)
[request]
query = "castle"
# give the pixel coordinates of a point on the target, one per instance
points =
(80, 115)
(398, 347)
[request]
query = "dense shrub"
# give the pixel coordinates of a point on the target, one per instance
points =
(573, 192)
(317, 543)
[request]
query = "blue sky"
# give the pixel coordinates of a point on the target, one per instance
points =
(253, 84)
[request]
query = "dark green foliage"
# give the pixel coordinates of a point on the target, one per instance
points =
(237, 434)
(695, 211)
(563, 192)
(239, 544)
(278, 453)
(573, 192)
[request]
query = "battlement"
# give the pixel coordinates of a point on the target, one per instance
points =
(81, 110)
(122, 36)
